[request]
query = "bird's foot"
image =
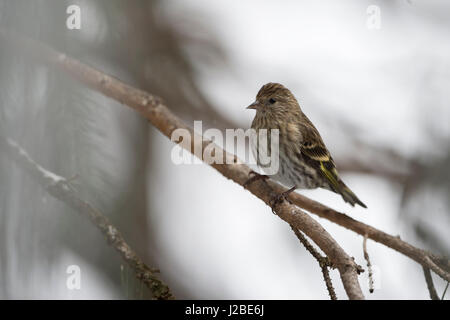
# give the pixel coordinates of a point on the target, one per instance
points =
(279, 198)
(254, 176)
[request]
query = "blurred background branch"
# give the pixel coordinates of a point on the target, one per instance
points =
(61, 189)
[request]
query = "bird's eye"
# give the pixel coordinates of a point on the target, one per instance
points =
(272, 100)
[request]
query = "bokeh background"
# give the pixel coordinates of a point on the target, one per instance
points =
(378, 96)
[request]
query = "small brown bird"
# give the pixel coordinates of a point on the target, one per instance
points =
(304, 160)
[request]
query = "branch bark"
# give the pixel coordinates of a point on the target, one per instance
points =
(430, 284)
(60, 188)
(324, 262)
(440, 265)
(369, 265)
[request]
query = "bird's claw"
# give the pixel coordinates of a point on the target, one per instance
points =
(279, 198)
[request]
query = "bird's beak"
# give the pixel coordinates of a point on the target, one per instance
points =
(254, 105)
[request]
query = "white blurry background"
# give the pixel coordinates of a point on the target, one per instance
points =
(379, 97)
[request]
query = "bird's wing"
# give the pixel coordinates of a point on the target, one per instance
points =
(319, 158)
(315, 151)
(312, 144)
(317, 155)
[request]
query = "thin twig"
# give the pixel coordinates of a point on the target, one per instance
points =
(430, 284)
(369, 265)
(445, 291)
(60, 188)
(324, 262)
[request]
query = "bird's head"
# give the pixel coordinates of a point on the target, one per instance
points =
(274, 99)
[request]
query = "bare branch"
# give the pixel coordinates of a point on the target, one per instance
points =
(60, 188)
(324, 263)
(445, 291)
(369, 265)
(440, 265)
(348, 269)
(430, 284)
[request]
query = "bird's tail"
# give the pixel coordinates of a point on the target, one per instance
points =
(337, 185)
(348, 194)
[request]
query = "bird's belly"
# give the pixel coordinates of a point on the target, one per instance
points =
(296, 173)
(291, 173)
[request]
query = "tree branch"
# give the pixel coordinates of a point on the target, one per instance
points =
(430, 284)
(369, 265)
(153, 108)
(445, 291)
(440, 265)
(60, 188)
(324, 262)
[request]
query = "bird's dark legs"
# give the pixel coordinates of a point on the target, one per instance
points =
(276, 200)
(254, 176)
